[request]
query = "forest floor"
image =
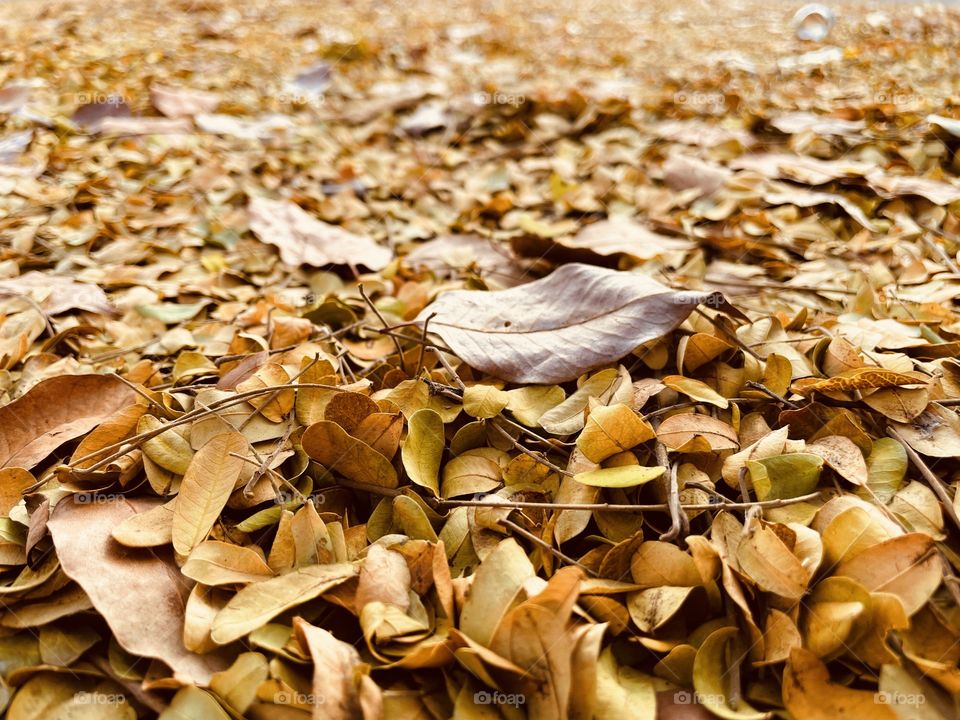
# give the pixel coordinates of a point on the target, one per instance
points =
(478, 359)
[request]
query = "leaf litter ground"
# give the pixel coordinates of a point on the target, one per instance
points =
(577, 360)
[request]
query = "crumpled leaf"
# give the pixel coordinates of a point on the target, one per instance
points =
(304, 240)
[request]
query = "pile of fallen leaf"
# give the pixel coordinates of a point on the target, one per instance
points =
(572, 360)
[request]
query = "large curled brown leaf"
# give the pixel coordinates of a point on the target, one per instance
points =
(555, 329)
(54, 411)
(139, 594)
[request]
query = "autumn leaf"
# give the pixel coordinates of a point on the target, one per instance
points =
(591, 317)
(207, 484)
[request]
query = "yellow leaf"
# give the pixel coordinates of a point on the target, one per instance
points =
(620, 477)
(423, 449)
(843, 455)
(766, 560)
(169, 449)
(206, 487)
(528, 404)
(905, 566)
(484, 401)
(611, 429)
(809, 694)
(567, 417)
(710, 678)
(149, 528)
(192, 703)
(785, 476)
(695, 389)
(219, 563)
(237, 685)
(13, 482)
(259, 603)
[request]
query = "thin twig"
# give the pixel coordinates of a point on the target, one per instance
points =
(611, 507)
(538, 457)
(936, 484)
(142, 393)
(136, 440)
(423, 344)
(386, 325)
(770, 393)
(523, 532)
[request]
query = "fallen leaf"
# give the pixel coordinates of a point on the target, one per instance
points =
(54, 411)
(330, 445)
(147, 617)
(423, 449)
(210, 478)
(304, 240)
(260, 602)
(554, 329)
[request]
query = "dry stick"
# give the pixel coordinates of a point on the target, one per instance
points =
(936, 248)
(399, 336)
(265, 463)
(423, 345)
(936, 484)
(732, 336)
(282, 479)
(693, 403)
(523, 532)
(673, 495)
(136, 440)
(386, 325)
(520, 505)
(449, 368)
(539, 457)
(770, 393)
(539, 438)
(142, 393)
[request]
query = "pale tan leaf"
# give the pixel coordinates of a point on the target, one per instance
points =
(206, 487)
(555, 329)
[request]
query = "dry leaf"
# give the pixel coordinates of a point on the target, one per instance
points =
(147, 617)
(555, 329)
(304, 240)
(54, 411)
(210, 478)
